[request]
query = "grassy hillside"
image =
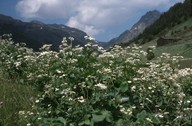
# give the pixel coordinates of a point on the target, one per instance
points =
(175, 24)
(183, 47)
(177, 14)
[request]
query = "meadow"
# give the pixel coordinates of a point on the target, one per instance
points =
(89, 86)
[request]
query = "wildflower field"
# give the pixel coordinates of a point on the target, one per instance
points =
(89, 86)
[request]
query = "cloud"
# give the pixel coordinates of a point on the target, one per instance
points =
(93, 17)
(46, 8)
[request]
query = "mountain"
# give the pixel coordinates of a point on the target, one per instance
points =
(36, 33)
(145, 21)
(177, 14)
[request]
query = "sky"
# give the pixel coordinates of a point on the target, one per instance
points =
(101, 19)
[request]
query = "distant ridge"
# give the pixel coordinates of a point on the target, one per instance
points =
(36, 33)
(145, 21)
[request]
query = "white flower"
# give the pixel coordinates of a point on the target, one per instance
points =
(129, 82)
(31, 113)
(21, 112)
(81, 99)
(159, 115)
(89, 38)
(165, 113)
(148, 119)
(102, 86)
(58, 71)
(1, 104)
(44, 53)
(56, 89)
(71, 38)
(123, 110)
(124, 99)
(46, 47)
(107, 70)
(17, 64)
(37, 101)
(133, 88)
(88, 45)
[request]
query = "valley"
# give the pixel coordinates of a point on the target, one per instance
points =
(141, 78)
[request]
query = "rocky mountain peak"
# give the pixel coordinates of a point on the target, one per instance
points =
(145, 21)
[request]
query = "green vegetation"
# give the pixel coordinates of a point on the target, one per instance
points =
(173, 24)
(13, 98)
(177, 14)
(183, 47)
(88, 86)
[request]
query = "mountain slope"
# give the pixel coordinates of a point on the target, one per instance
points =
(182, 47)
(36, 33)
(177, 14)
(137, 28)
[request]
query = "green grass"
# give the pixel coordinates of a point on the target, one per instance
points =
(182, 25)
(15, 98)
(183, 47)
(186, 63)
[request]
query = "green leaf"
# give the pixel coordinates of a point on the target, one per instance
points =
(124, 99)
(121, 99)
(57, 111)
(107, 115)
(119, 122)
(104, 77)
(85, 122)
(61, 119)
(98, 118)
(155, 119)
(108, 95)
(142, 115)
(123, 87)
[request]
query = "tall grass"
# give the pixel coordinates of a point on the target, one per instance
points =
(14, 98)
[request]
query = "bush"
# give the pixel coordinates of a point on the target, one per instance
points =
(88, 86)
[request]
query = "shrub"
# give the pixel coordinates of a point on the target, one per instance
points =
(90, 86)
